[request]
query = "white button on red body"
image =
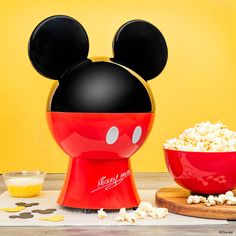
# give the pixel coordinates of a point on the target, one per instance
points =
(136, 134)
(112, 135)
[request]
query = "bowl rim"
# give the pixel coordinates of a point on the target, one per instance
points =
(24, 173)
(200, 152)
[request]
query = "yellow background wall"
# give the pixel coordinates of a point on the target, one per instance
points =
(198, 83)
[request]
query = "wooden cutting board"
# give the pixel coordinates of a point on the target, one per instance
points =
(175, 199)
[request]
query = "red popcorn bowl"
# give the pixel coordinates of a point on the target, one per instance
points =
(202, 172)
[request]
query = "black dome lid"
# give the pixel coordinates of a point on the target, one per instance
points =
(100, 87)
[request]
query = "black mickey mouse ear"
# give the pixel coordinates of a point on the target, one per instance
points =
(140, 46)
(56, 44)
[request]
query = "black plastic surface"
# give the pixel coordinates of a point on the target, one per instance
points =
(140, 46)
(100, 87)
(56, 44)
(58, 49)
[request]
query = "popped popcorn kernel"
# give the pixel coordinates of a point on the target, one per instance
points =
(204, 137)
(102, 214)
(125, 216)
(145, 206)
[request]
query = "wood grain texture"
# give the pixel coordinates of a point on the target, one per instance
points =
(175, 199)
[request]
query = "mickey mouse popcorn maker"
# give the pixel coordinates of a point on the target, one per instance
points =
(101, 111)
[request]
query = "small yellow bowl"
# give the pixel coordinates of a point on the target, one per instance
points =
(24, 183)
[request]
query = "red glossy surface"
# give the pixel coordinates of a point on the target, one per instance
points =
(99, 173)
(83, 135)
(96, 184)
(203, 172)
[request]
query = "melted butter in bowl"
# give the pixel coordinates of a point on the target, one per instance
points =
(24, 183)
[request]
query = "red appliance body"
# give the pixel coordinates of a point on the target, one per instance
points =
(101, 110)
(99, 145)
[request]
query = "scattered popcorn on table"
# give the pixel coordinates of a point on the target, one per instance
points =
(211, 200)
(122, 212)
(158, 213)
(102, 214)
(131, 217)
(154, 212)
(145, 206)
(140, 214)
(125, 216)
(144, 210)
(204, 137)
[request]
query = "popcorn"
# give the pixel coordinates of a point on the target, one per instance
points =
(124, 216)
(145, 206)
(231, 201)
(221, 199)
(204, 137)
(229, 194)
(195, 199)
(144, 210)
(158, 213)
(211, 200)
(102, 214)
(140, 214)
(123, 213)
(131, 218)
